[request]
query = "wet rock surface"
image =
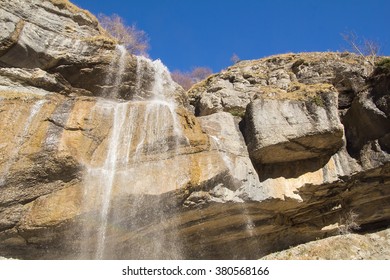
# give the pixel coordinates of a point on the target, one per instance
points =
(101, 158)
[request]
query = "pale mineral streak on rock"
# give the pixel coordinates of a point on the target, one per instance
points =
(230, 144)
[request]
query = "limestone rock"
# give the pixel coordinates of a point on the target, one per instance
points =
(56, 143)
(100, 158)
(35, 81)
(227, 139)
(289, 76)
(75, 48)
(373, 246)
(370, 108)
(285, 131)
(66, 30)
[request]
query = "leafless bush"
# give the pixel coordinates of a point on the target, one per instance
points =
(187, 79)
(366, 48)
(200, 73)
(348, 223)
(182, 78)
(135, 40)
(234, 58)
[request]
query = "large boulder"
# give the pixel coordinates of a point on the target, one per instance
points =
(279, 131)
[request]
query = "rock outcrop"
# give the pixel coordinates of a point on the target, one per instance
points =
(308, 77)
(288, 130)
(372, 246)
(101, 157)
(59, 38)
(316, 133)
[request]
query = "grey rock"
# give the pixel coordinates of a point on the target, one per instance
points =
(285, 130)
(36, 81)
(233, 88)
(372, 246)
(224, 131)
(49, 34)
(364, 122)
(195, 191)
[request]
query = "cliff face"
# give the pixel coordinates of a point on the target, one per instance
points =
(101, 157)
(316, 127)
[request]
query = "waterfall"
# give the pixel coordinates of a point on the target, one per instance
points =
(108, 171)
(21, 138)
(143, 135)
(231, 165)
(222, 153)
(115, 74)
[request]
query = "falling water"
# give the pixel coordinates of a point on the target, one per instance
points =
(141, 62)
(115, 74)
(108, 172)
(141, 134)
(21, 138)
(230, 164)
(222, 153)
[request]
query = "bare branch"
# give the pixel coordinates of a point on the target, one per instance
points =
(182, 78)
(348, 223)
(135, 40)
(187, 79)
(234, 58)
(367, 49)
(200, 73)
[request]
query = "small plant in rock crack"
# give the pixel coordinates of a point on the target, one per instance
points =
(348, 223)
(318, 101)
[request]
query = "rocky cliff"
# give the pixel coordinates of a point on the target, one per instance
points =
(102, 155)
(370, 246)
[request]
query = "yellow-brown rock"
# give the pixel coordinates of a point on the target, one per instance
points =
(101, 157)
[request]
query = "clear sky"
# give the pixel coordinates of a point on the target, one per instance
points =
(189, 33)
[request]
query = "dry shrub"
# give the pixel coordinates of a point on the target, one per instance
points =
(235, 59)
(182, 79)
(348, 223)
(187, 79)
(136, 41)
(367, 49)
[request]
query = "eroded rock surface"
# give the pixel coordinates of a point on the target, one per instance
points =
(288, 130)
(373, 246)
(289, 76)
(101, 158)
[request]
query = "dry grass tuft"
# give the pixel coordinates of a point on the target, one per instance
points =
(106, 41)
(66, 4)
(296, 91)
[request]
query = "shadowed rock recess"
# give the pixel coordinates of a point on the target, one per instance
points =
(103, 156)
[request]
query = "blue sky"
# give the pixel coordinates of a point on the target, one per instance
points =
(189, 33)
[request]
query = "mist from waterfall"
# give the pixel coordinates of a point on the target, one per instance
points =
(22, 137)
(141, 135)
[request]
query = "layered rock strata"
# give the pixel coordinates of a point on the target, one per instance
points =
(100, 156)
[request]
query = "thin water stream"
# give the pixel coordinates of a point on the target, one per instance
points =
(141, 134)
